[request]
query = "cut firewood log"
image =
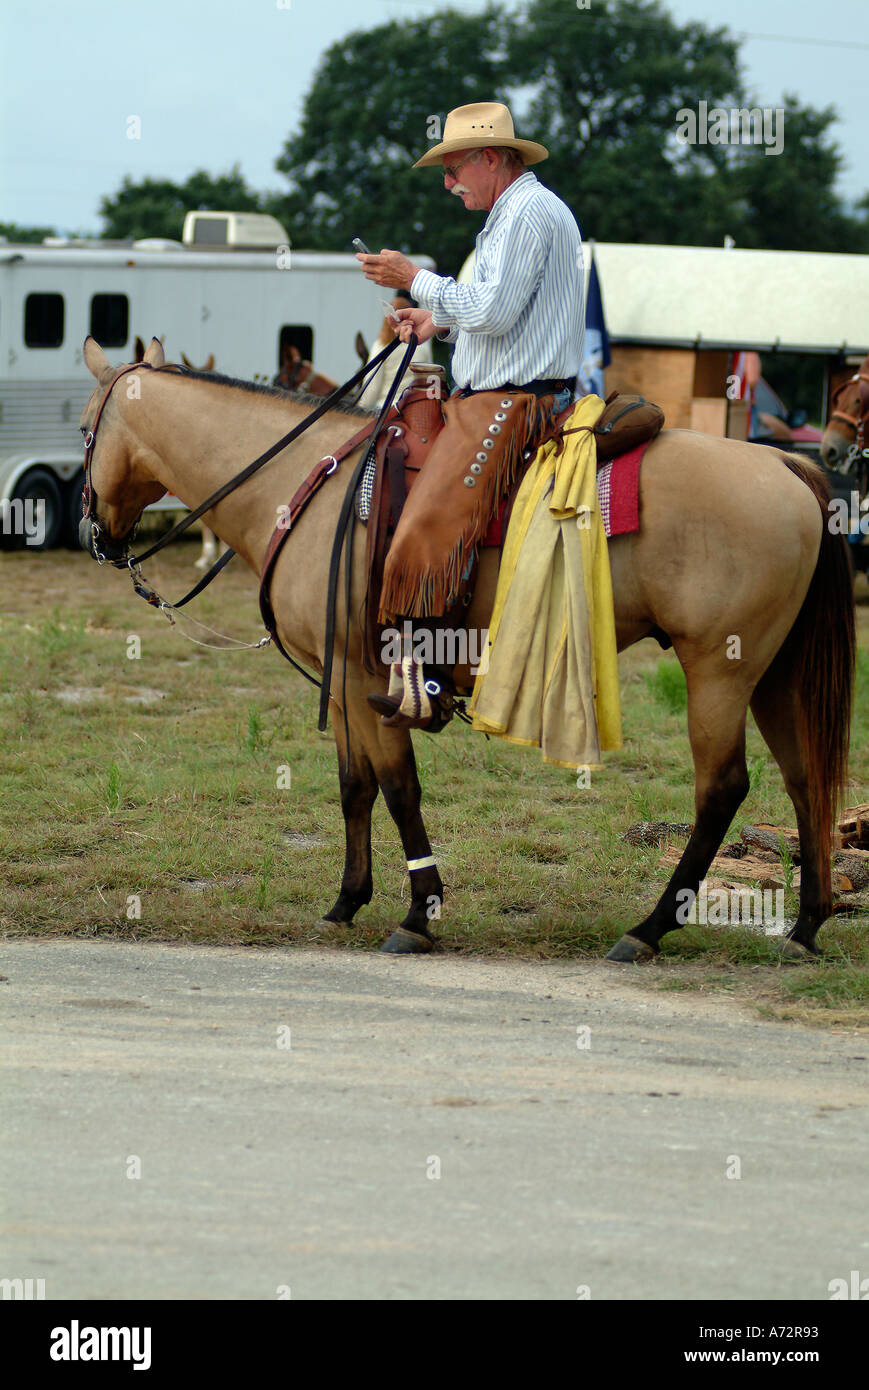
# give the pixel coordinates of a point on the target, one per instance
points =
(854, 827)
(769, 837)
(768, 874)
(656, 832)
(853, 867)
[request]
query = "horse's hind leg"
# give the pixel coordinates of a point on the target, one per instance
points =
(716, 726)
(358, 794)
(775, 707)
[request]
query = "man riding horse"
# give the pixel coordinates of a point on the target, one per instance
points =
(517, 337)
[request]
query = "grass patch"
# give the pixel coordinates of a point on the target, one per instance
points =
(197, 781)
(666, 683)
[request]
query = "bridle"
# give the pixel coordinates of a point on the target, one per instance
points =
(90, 439)
(857, 422)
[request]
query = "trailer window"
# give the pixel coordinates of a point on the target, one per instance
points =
(211, 231)
(296, 335)
(43, 321)
(110, 320)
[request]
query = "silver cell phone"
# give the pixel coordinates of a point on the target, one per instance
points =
(360, 246)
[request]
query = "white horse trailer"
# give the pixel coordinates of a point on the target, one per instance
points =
(243, 306)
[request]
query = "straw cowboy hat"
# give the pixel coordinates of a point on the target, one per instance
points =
(479, 126)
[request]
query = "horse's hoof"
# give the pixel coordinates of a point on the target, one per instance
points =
(407, 943)
(631, 950)
(795, 953)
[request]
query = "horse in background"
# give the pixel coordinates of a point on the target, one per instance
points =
(847, 426)
(297, 374)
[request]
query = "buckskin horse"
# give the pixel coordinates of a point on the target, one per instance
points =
(732, 543)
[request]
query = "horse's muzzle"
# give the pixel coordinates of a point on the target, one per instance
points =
(85, 535)
(833, 451)
(93, 539)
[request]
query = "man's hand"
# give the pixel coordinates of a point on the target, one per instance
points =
(416, 321)
(390, 268)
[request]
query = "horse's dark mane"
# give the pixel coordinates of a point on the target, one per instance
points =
(260, 389)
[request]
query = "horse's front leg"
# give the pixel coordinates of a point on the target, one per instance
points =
(358, 794)
(395, 768)
(209, 550)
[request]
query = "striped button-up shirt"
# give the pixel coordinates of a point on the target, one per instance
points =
(521, 319)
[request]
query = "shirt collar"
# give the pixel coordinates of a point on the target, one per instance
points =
(524, 181)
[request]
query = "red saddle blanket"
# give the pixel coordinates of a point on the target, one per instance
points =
(618, 490)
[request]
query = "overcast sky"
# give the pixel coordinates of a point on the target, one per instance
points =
(219, 82)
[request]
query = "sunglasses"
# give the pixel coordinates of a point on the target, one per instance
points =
(453, 169)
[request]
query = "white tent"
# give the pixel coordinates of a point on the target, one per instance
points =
(704, 296)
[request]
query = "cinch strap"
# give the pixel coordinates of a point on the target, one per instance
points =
(428, 863)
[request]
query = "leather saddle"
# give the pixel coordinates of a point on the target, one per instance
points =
(404, 446)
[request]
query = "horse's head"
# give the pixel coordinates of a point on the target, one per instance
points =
(119, 475)
(849, 417)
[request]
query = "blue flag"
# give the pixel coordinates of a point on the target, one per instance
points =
(596, 349)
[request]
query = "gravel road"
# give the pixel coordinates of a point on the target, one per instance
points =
(227, 1123)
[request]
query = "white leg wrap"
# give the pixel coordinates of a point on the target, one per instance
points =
(428, 863)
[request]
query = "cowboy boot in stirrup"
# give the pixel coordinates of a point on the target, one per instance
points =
(413, 702)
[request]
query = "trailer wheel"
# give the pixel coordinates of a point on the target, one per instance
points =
(72, 509)
(40, 489)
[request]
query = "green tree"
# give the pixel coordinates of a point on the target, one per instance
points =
(607, 87)
(156, 207)
(15, 232)
(788, 199)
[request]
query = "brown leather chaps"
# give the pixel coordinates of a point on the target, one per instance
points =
(477, 459)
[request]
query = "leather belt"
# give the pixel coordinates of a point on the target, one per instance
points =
(549, 386)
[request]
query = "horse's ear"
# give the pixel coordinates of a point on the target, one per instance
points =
(209, 365)
(361, 349)
(186, 360)
(140, 349)
(154, 354)
(95, 359)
